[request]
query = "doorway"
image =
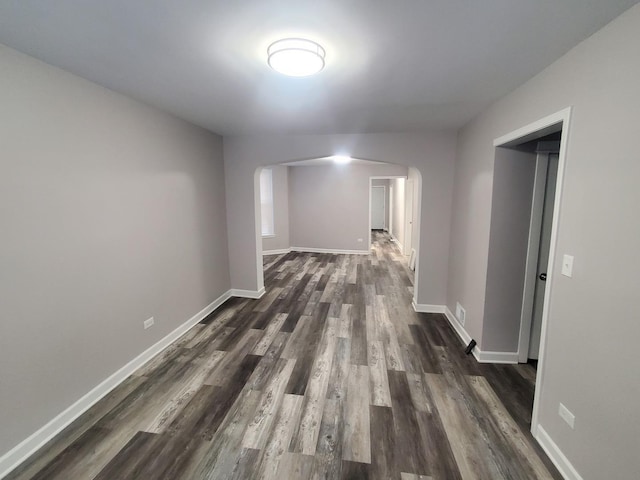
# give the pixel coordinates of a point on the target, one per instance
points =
(538, 251)
(401, 203)
(522, 234)
(378, 207)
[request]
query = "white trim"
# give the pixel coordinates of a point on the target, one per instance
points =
(460, 330)
(495, 357)
(409, 217)
(257, 223)
(481, 356)
(279, 251)
(426, 308)
(562, 463)
(534, 130)
(417, 215)
(18, 454)
(397, 242)
(330, 250)
(530, 132)
(237, 292)
(390, 231)
(465, 338)
(369, 244)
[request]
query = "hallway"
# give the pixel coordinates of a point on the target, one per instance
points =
(330, 374)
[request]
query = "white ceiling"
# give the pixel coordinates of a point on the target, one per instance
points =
(395, 65)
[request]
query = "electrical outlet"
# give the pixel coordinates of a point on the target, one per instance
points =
(460, 313)
(566, 415)
(360, 240)
(148, 323)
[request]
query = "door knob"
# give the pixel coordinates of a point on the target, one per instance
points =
(543, 277)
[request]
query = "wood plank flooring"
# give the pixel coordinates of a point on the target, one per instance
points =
(330, 375)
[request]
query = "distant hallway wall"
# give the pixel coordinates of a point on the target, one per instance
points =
(329, 206)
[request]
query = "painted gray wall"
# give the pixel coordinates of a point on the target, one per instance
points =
(414, 175)
(398, 227)
(384, 183)
(433, 155)
(513, 177)
(329, 205)
(280, 210)
(111, 213)
(591, 360)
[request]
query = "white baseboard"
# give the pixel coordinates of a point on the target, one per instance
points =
(395, 240)
(496, 357)
(561, 462)
(330, 250)
(18, 454)
(426, 308)
(460, 330)
(276, 252)
(480, 355)
(237, 292)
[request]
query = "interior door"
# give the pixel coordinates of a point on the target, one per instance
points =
(377, 207)
(543, 256)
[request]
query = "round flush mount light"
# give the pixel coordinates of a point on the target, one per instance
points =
(296, 57)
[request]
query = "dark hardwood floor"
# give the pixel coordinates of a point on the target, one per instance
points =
(331, 374)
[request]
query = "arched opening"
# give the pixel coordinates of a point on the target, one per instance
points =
(329, 209)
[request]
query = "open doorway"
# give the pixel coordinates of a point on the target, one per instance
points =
(547, 153)
(379, 207)
(527, 191)
(393, 203)
(326, 208)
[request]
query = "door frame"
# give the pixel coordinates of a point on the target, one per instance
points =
(559, 121)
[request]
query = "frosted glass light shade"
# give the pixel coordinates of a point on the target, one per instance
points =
(296, 57)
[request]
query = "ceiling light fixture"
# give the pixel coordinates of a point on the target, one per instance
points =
(341, 159)
(296, 57)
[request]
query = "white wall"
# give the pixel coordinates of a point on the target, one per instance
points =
(111, 213)
(591, 363)
(432, 154)
(280, 240)
(414, 176)
(329, 205)
(398, 227)
(512, 195)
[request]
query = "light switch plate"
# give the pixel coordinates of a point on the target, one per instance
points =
(567, 265)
